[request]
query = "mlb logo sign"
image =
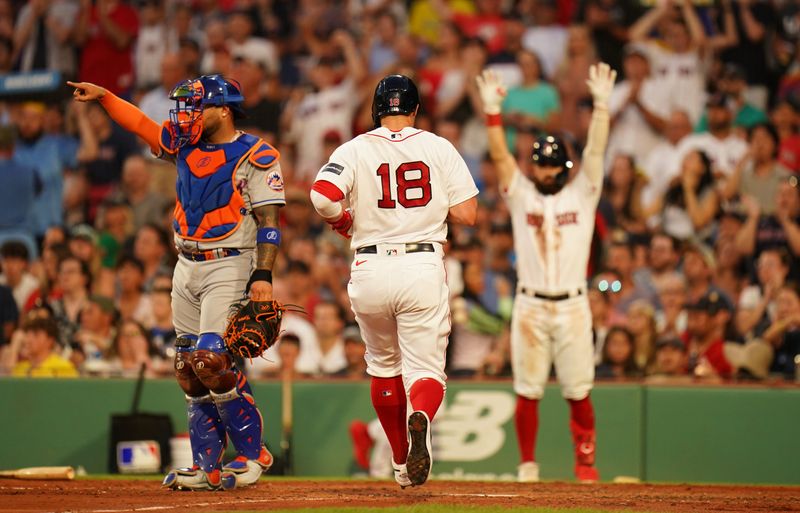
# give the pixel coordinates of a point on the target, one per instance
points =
(394, 102)
(139, 457)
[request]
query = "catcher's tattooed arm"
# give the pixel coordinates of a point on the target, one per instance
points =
(267, 217)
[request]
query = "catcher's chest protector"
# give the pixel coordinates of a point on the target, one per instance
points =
(210, 205)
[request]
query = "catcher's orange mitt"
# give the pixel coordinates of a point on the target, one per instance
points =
(253, 327)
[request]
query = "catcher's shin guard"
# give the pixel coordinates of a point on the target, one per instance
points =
(242, 420)
(192, 479)
(206, 433)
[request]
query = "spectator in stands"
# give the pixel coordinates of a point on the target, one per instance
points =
(162, 331)
(704, 337)
(9, 315)
(781, 229)
(600, 307)
(216, 54)
(289, 351)
(620, 260)
(620, 203)
(759, 174)
(784, 118)
(330, 107)
(15, 260)
(642, 327)
(41, 357)
(93, 339)
(152, 248)
(486, 22)
(671, 362)
(638, 110)
(83, 240)
(136, 190)
(74, 282)
(445, 59)
(756, 308)
(131, 349)
(106, 32)
(676, 55)
(672, 295)
(662, 166)
(131, 302)
(784, 332)
(731, 270)
(723, 145)
(43, 36)
(532, 106)
(50, 156)
(689, 206)
(156, 103)
(253, 68)
(733, 83)
(663, 257)
(480, 318)
(153, 43)
(699, 266)
(378, 45)
(115, 145)
(329, 320)
(115, 223)
(301, 287)
(354, 352)
(546, 36)
(571, 76)
(618, 356)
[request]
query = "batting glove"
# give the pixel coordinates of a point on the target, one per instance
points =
(601, 82)
(344, 224)
(492, 91)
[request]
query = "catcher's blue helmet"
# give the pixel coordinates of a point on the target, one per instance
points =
(395, 94)
(191, 96)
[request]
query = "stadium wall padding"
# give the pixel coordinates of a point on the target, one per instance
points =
(671, 434)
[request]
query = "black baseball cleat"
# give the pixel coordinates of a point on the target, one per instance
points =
(419, 452)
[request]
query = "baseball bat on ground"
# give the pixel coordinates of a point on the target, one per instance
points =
(49, 473)
(286, 418)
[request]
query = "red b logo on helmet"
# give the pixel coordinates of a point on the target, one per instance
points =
(394, 102)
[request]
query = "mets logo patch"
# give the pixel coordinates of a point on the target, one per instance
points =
(275, 181)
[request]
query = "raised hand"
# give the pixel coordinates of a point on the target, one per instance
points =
(86, 92)
(601, 82)
(492, 91)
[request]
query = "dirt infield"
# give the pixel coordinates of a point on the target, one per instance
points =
(122, 496)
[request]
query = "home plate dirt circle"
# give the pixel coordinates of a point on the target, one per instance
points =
(126, 496)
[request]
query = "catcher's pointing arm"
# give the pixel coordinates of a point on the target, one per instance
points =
(260, 284)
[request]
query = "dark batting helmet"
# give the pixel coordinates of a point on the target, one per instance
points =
(550, 151)
(395, 94)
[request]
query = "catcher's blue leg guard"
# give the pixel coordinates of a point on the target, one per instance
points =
(206, 431)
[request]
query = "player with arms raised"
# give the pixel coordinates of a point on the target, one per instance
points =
(402, 184)
(553, 221)
(229, 190)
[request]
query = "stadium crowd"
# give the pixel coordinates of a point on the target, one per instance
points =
(695, 257)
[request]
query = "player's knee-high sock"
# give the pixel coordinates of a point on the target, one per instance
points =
(581, 423)
(389, 401)
(206, 433)
(426, 394)
(241, 417)
(526, 421)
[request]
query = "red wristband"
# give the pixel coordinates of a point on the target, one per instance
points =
(494, 120)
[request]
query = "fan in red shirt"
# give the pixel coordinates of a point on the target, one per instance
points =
(486, 24)
(705, 329)
(106, 31)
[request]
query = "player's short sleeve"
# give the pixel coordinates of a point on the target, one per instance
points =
(460, 185)
(264, 185)
(340, 168)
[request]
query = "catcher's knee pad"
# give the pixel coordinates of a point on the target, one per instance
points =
(241, 417)
(212, 364)
(184, 372)
(206, 432)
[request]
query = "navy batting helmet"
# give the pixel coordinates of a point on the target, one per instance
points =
(550, 151)
(191, 96)
(395, 94)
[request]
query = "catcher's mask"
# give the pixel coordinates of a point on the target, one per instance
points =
(395, 95)
(192, 96)
(550, 151)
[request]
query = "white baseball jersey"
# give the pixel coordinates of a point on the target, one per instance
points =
(552, 233)
(400, 185)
